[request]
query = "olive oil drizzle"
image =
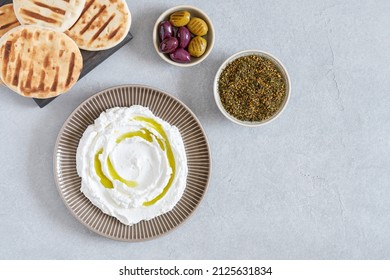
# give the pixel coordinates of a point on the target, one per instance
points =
(148, 136)
(116, 176)
(143, 133)
(98, 168)
(171, 159)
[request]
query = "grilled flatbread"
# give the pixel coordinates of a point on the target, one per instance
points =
(57, 14)
(102, 25)
(8, 19)
(39, 62)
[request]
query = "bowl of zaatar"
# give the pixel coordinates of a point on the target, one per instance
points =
(252, 88)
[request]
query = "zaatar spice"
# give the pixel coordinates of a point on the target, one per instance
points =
(251, 88)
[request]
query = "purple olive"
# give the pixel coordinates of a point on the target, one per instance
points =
(175, 32)
(169, 45)
(180, 55)
(184, 36)
(165, 30)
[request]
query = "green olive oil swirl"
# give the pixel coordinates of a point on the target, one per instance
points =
(147, 135)
(116, 176)
(98, 168)
(171, 158)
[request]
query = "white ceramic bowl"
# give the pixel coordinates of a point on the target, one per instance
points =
(195, 12)
(278, 64)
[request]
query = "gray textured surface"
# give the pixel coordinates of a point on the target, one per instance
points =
(313, 184)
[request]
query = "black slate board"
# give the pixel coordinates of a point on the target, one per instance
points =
(90, 59)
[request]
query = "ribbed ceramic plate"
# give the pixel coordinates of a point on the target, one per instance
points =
(162, 105)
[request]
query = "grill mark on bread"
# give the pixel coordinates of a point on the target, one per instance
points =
(92, 20)
(36, 35)
(15, 79)
(9, 25)
(23, 35)
(61, 53)
(113, 33)
(55, 82)
(29, 76)
(42, 81)
(102, 28)
(31, 70)
(70, 70)
(86, 7)
(34, 15)
(53, 9)
(46, 62)
(6, 56)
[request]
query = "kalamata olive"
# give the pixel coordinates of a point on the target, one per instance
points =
(184, 36)
(169, 45)
(180, 55)
(165, 30)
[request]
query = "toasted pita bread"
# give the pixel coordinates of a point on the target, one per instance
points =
(57, 14)
(102, 25)
(8, 19)
(39, 62)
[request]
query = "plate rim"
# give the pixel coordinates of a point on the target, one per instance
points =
(55, 170)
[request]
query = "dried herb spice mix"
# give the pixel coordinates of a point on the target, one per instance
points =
(251, 88)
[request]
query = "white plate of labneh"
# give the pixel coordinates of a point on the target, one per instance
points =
(132, 163)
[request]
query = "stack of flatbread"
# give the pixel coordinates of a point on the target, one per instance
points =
(40, 41)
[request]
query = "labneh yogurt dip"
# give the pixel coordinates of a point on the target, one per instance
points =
(133, 164)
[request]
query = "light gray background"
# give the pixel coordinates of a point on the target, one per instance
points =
(314, 184)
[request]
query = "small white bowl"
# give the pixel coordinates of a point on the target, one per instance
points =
(282, 70)
(195, 12)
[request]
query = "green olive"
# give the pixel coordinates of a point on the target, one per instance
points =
(198, 26)
(180, 18)
(197, 46)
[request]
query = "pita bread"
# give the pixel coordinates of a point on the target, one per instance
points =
(102, 25)
(57, 14)
(8, 19)
(39, 62)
